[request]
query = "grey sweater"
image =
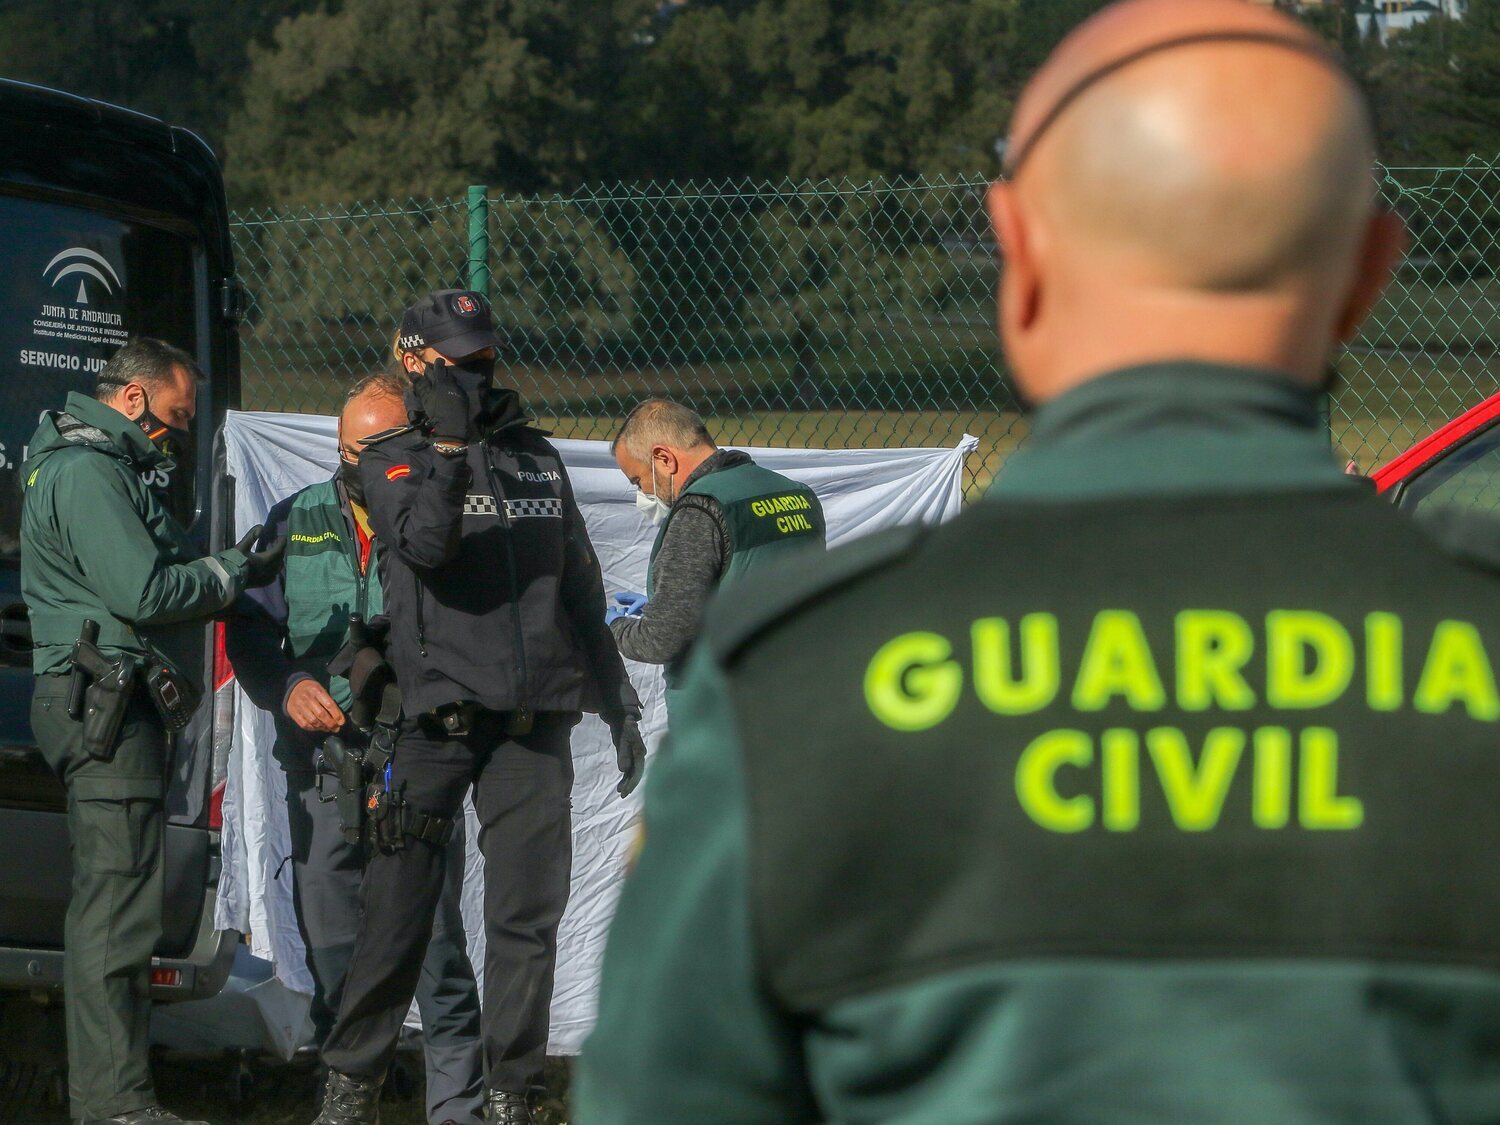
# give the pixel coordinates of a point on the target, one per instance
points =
(693, 557)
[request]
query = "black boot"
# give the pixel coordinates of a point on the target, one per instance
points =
(505, 1107)
(350, 1100)
(151, 1115)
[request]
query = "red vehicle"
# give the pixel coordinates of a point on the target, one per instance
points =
(1458, 466)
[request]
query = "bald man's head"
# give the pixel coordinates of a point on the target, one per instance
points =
(1183, 151)
(375, 405)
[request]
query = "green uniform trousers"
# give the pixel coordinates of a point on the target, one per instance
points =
(114, 915)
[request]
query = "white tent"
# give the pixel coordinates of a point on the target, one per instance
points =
(271, 456)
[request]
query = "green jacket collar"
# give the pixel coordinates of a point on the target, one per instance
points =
(716, 461)
(1174, 428)
(126, 438)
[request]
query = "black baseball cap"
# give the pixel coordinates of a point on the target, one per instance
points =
(457, 322)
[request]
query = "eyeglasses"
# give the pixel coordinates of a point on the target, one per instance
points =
(349, 454)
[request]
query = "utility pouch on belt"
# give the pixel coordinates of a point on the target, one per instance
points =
(173, 696)
(99, 694)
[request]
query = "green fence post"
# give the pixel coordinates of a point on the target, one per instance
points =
(479, 240)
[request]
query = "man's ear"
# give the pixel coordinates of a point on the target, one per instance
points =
(666, 460)
(1019, 294)
(132, 400)
(1384, 243)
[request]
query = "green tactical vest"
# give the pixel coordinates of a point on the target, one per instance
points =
(768, 516)
(1170, 728)
(324, 585)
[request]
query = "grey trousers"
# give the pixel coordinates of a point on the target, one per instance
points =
(325, 890)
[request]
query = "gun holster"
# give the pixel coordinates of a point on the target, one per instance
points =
(101, 705)
(380, 818)
(345, 765)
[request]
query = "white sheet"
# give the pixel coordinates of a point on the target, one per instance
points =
(271, 456)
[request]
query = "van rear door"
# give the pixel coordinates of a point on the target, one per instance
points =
(112, 225)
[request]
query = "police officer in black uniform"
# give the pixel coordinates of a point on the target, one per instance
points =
(499, 644)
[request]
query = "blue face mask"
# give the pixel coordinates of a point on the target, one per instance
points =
(653, 507)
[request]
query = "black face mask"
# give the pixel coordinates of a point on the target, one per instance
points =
(473, 374)
(174, 442)
(173, 484)
(353, 487)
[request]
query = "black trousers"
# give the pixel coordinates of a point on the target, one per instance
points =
(522, 795)
(327, 872)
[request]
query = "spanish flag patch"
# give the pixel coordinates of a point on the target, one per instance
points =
(397, 471)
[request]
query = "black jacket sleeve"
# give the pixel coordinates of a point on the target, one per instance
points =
(416, 499)
(582, 593)
(255, 632)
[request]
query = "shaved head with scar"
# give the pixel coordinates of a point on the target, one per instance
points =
(1187, 179)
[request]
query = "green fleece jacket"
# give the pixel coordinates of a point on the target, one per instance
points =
(97, 545)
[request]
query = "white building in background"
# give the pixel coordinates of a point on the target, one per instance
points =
(1391, 16)
(1404, 13)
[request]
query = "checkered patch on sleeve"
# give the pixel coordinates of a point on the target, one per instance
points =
(480, 506)
(514, 509)
(527, 509)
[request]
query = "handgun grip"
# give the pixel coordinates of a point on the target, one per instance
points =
(88, 637)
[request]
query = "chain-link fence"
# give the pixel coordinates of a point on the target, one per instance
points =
(797, 315)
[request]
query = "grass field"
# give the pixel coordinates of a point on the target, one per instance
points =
(1387, 398)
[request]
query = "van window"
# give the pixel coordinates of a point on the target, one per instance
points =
(74, 285)
(1467, 478)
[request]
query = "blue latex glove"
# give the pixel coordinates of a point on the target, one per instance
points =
(627, 604)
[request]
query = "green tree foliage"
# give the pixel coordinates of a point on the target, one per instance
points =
(822, 88)
(181, 60)
(389, 98)
(333, 100)
(1437, 89)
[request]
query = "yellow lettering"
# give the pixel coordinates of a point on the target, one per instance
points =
(1457, 671)
(1036, 775)
(1030, 687)
(1293, 635)
(911, 683)
(1195, 794)
(1383, 661)
(1319, 805)
(1212, 647)
(1117, 662)
(1273, 777)
(1120, 751)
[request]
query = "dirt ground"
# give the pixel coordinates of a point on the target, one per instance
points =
(226, 1089)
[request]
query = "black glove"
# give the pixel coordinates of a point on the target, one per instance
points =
(630, 753)
(262, 566)
(451, 410)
